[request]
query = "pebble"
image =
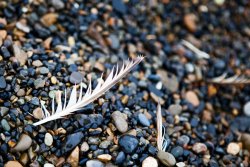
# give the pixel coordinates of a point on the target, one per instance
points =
(246, 109)
(166, 158)
(245, 139)
(177, 151)
(192, 98)
(120, 158)
(180, 164)
(84, 147)
(47, 165)
(37, 63)
(143, 119)
(105, 144)
(5, 125)
(175, 109)
(183, 140)
(44, 70)
(3, 111)
(53, 80)
(39, 83)
(48, 139)
(2, 82)
(73, 158)
(49, 19)
(76, 77)
(150, 162)
(38, 113)
(22, 27)
(233, 148)
(104, 157)
(169, 81)
(199, 148)
(128, 143)
(71, 141)
(120, 121)
(20, 55)
(58, 4)
(13, 164)
(21, 92)
(190, 22)
(94, 163)
(23, 143)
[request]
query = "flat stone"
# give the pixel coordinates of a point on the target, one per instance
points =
(104, 157)
(23, 143)
(169, 81)
(73, 158)
(120, 121)
(199, 148)
(13, 164)
(57, 4)
(192, 98)
(233, 148)
(246, 109)
(21, 92)
(76, 77)
(20, 55)
(37, 63)
(94, 163)
(38, 113)
(175, 109)
(150, 162)
(48, 139)
(166, 158)
(39, 83)
(44, 70)
(143, 119)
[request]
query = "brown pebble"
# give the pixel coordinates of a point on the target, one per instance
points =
(49, 19)
(104, 157)
(192, 98)
(38, 113)
(13, 164)
(73, 158)
(233, 148)
(190, 22)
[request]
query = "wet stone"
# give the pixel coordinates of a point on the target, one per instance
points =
(128, 143)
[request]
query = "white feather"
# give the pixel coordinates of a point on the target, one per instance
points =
(90, 96)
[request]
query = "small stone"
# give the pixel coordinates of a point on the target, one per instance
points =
(233, 148)
(39, 83)
(150, 162)
(175, 109)
(76, 77)
(22, 27)
(247, 109)
(245, 139)
(166, 158)
(71, 141)
(94, 163)
(37, 63)
(21, 92)
(5, 125)
(128, 143)
(3, 111)
(192, 98)
(58, 4)
(73, 158)
(20, 55)
(180, 164)
(104, 157)
(53, 80)
(48, 139)
(177, 151)
(120, 121)
(105, 144)
(190, 22)
(120, 158)
(3, 34)
(13, 164)
(119, 6)
(38, 113)
(169, 81)
(47, 43)
(71, 41)
(5, 52)
(143, 120)
(115, 44)
(49, 19)
(24, 159)
(23, 143)
(2, 82)
(61, 48)
(219, 2)
(48, 165)
(44, 70)
(84, 147)
(199, 148)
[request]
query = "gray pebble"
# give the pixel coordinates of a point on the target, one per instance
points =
(120, 121)
(5, 125)
(166, 158)
(143, 120)
(94, 163)
(39, 83)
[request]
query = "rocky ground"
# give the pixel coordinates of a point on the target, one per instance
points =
(47, 46)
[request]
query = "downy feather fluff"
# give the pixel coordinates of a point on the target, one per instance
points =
(75, 103)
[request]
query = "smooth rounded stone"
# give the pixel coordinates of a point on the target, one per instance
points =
(53, 80)
(199, 148)
(13, 164)
(105, 144)
(93, 140)
(5, 52)
(128, 143)
(115, 44)
(166, 158)
(183, 140)
(120, 121)
(104, 157)
(38, 113)
(94, 163)
(170, 82)
(5, 125)
(44, 70)
(76, 77)
(150, 162)
(189, 67)
(24, 158)
(190, 22)
(192, 98)
(23, 143)
(143, 119)
(177, 151)
(84, 147)
(21, 92)
(245, 139)
(37, 63)
(72, 141)
(219, 2)
(48, 165)
(57, 4)
(39, 83)
(2, 82)
(48, 139)
(247, 109)
(35, 101)
(3, 111)
(180, 164)
(175, 109)
(20, 54)
(120, 158)
(73, 158)
(22, 27)
(233, 148)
